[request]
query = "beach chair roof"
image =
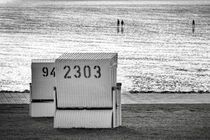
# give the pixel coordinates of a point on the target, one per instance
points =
(87, 56)
(43, 60)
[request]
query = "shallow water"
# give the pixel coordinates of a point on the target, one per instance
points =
(157, 51)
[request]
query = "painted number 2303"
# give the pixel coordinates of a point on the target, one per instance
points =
(85, 71)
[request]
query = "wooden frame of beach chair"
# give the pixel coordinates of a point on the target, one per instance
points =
(86, 92)
(41, 89)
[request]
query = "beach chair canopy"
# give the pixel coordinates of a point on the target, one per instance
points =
(85, 79)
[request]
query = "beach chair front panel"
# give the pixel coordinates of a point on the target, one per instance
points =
(83, 83)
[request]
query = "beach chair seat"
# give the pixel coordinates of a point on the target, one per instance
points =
(42, 88)
(86, 92)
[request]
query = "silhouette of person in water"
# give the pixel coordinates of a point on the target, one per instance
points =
(193, 26)
(118, 22)
(122, 24)
(118, 25)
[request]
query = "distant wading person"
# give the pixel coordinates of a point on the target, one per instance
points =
(193, 26)
(118, 25)
(122, 24)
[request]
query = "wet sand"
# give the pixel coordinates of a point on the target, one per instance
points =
(155, 98)
(127, 98)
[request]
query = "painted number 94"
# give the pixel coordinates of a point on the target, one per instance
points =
(47, 72)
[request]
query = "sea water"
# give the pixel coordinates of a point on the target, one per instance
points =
(157, 50)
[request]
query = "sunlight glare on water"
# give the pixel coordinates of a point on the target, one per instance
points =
(157, 51)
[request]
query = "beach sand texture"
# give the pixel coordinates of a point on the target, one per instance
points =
(157, 51)
(175, 121)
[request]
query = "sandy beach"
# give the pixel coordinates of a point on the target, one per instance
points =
(151, 121)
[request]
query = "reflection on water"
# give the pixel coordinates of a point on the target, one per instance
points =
(157, 50)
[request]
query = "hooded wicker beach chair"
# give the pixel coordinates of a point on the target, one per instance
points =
(42, 88)
(86, 92)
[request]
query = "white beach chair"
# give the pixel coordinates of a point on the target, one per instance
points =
(42, 88)
(86, 92)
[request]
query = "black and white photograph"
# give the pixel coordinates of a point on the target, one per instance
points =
(105, 69)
